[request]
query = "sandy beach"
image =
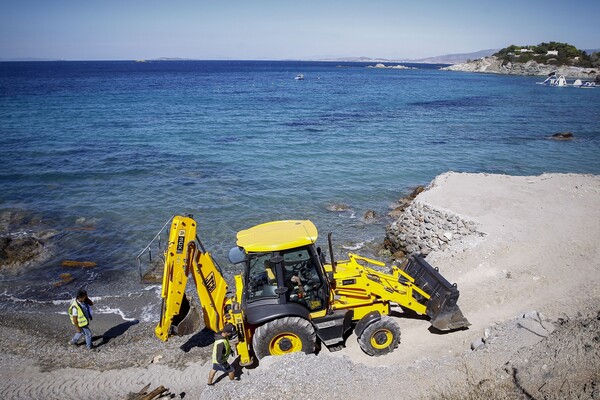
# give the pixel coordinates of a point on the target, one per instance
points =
(529, 285)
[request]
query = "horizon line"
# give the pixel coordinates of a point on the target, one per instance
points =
(337, 59)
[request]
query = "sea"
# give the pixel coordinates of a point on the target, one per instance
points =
(102, 154)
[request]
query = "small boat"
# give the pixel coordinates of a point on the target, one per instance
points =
(299, 77)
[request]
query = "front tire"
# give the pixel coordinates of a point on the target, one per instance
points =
(381, 337)
(284, 336)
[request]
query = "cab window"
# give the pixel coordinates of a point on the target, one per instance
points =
(305, 284)
(262, 280)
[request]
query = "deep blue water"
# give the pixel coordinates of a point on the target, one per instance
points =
(122, 146)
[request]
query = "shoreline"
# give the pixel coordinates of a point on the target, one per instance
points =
(535, 269)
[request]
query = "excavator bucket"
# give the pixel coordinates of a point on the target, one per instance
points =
(188, 319)
(441, 307)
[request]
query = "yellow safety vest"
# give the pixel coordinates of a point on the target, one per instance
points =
(227, 350)
(81, 319)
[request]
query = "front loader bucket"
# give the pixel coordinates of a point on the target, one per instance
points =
(441, 307)
(449, 319)
(188, 319)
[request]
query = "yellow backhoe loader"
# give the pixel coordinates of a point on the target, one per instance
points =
(289, 298)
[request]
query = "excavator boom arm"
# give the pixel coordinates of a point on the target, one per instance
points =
(182, 258)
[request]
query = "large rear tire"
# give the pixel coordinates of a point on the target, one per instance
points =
(381, 337)
(283, 336)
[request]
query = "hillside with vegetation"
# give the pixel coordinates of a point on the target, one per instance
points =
(542, 59)
(552, 53)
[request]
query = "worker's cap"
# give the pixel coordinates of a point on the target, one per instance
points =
(229, 328)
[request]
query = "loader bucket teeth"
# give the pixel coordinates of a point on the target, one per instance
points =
(188, 320)
(441, 307)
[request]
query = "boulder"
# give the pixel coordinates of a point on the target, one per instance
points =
(562, 136)
(15, 252)
(340, 207)
(370, 215)
(24, 239)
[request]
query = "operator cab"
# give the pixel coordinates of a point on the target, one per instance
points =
(280, 277)
(283, 269)
(289, 276)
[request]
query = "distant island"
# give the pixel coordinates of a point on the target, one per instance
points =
(542, 59)
(381, 65)
(515, 56)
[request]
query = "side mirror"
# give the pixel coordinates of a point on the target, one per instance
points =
(237, 255)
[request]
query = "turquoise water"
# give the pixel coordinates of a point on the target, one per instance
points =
(122, 146)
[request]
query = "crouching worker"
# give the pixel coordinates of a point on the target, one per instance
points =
(80, 315)
(221, 353)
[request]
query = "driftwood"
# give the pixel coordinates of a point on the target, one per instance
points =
(143, 395)
(64, 279)
(84, 264)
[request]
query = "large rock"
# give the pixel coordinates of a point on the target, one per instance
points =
(562, 136)
(22, 239)
(16, 252)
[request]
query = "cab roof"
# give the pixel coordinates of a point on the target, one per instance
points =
(277, 235)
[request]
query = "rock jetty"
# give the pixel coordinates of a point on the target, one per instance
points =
(493, 65)
(422, 229)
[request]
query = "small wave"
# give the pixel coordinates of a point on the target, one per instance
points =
(11, 298)
(20, 234)
(149, 314)
(356, 246)
(57, 302)
(151, 287)
(60, 302)
(108, 310)
(105, 310)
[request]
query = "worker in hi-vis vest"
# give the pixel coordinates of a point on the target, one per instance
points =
(221, 353)
(80, 315)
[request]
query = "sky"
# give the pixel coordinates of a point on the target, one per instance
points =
(280, 29)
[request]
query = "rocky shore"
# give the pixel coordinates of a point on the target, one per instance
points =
(493, 65)
(523, 251)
